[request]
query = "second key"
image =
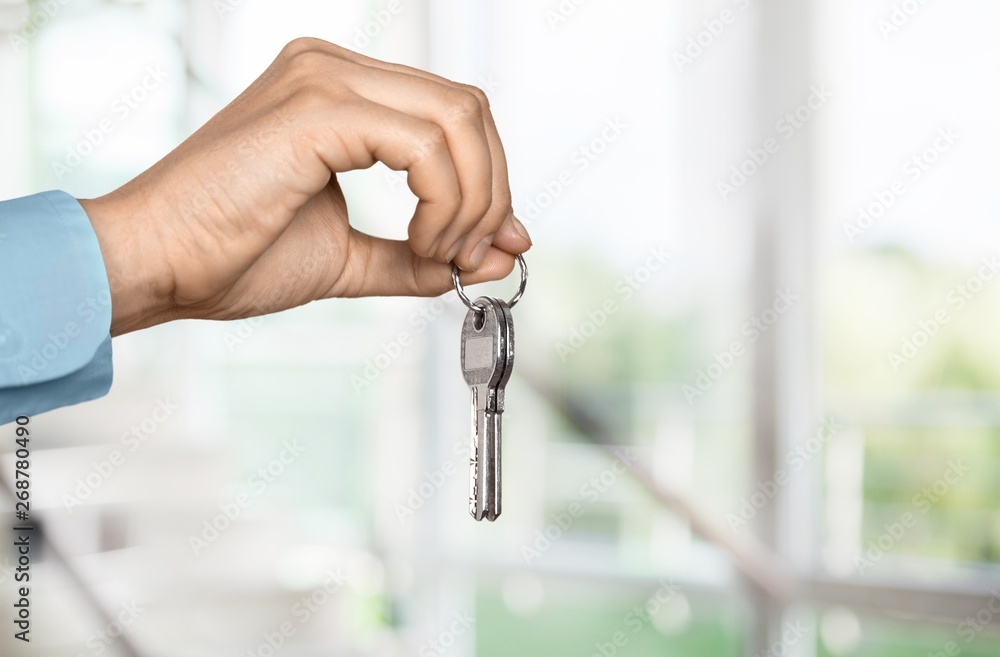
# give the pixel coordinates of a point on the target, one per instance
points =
(487, 361)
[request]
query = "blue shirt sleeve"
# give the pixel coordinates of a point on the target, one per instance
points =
(55, 307)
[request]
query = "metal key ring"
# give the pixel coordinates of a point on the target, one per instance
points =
(513, 300)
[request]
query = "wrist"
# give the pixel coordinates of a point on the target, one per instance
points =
(137, 278)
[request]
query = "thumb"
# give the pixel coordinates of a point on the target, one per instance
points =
(383, 267)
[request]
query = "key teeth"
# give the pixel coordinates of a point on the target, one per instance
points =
(485, 514)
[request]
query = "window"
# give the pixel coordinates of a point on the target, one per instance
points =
(758, 348)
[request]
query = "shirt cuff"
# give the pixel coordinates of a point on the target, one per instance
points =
(55, 301)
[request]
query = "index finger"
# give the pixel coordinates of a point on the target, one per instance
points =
(499, 222)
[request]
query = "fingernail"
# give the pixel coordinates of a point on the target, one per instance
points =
(434, 247)
(519, 227)
(479, 253)
(454, 251)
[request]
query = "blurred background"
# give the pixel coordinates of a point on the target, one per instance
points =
(756, 408)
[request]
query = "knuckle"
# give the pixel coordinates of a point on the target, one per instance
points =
(463, 106)
(306, 63)
(479, 94)
(301, 45)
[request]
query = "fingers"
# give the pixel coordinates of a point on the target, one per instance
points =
(460, 115)
(365, 132)
(483, 203)
(512, 236)
(501, 211)
(382, 267)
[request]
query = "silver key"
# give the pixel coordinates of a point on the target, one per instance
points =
(487, 361)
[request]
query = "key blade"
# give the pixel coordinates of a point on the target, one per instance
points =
(486, 501)
(481, 477)
(484, 476)
(474, 506)
(486, 359)
(495, 422)
(505, 356)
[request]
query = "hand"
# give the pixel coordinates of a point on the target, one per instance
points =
(246, 217)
